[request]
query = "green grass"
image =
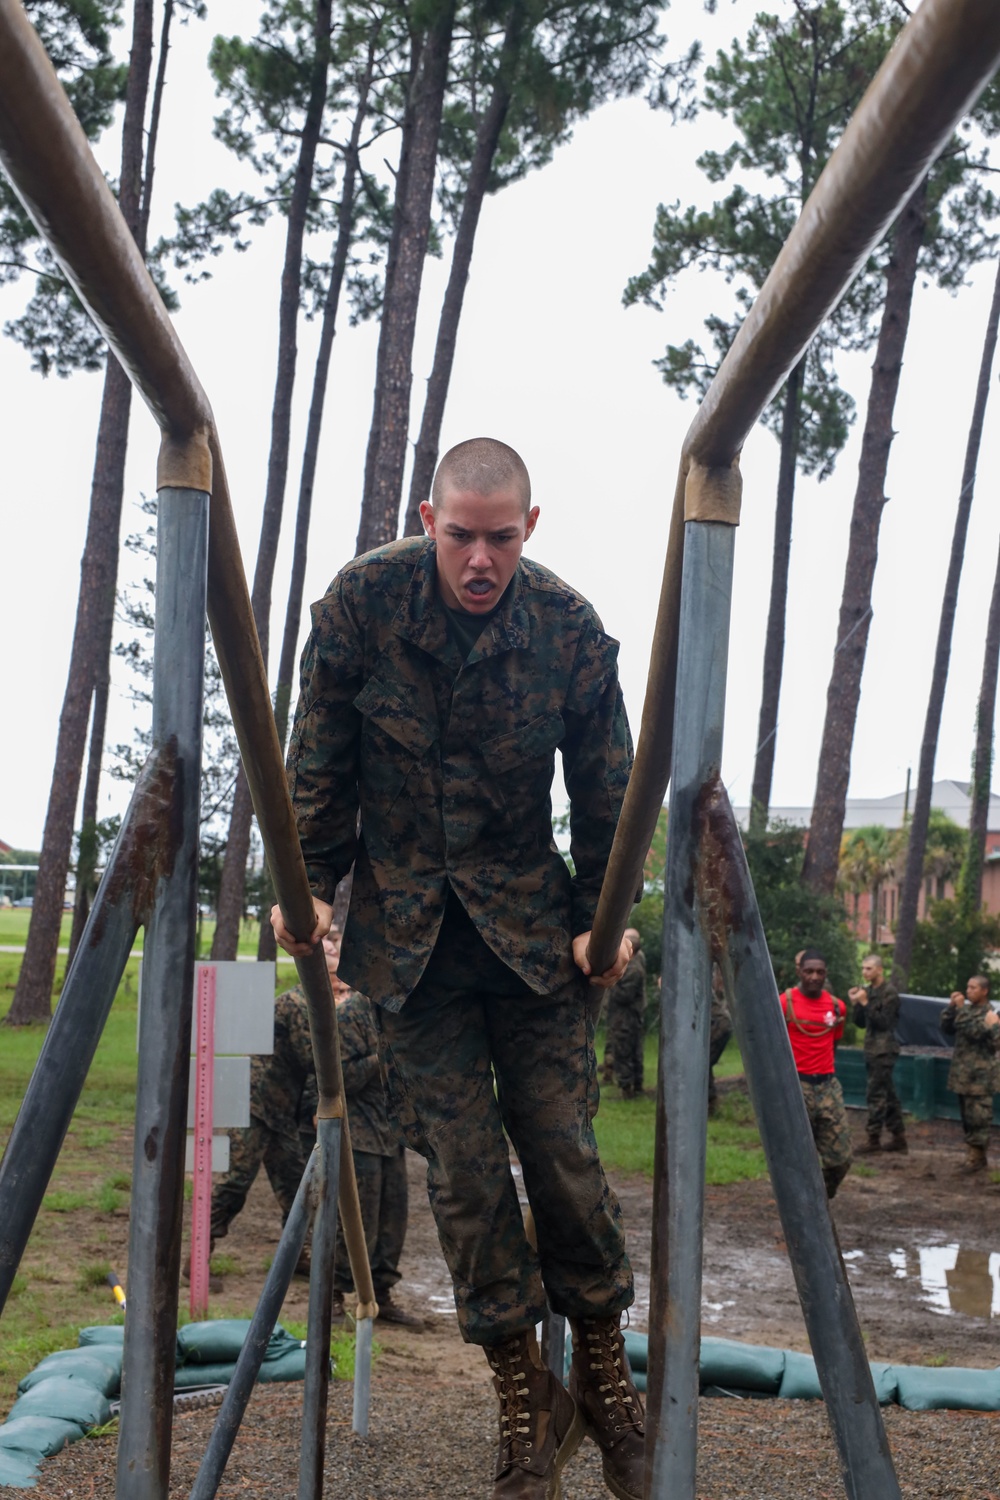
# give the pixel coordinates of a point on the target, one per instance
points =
(14, 932)
(625, 1128)
(95, 1275)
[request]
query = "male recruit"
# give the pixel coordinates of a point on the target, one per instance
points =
(441, 676)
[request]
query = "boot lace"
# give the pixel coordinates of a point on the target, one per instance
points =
(606, 1356)
(509, 1364)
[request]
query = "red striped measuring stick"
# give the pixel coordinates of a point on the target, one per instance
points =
(204, 1066)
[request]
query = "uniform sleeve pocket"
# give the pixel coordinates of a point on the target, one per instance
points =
(540, 736)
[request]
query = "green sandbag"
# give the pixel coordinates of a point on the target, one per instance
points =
(799, 1380)
(280, 1344)
(884, 1378)
(18, 1470)
(42, 1436)
(729, 1364)
(955, 1389)
(104, 1371)
(102, 1333)
(288, 1366)
(73, 1400)
(637, 1349)
(186, 1377)
(220, 1341)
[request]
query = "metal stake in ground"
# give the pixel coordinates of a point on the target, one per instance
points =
(165, 1019)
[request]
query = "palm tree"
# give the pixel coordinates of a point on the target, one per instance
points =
(868, 858)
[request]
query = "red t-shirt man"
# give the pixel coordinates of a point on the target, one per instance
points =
(815, 1022)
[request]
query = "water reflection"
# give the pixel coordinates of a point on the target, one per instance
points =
(953, 1279)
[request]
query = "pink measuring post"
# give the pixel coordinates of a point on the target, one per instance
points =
(201, 1209)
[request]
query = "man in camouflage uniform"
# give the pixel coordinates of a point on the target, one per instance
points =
(379, 1158)
(815, 1020)
(627, 1020)
(876, 1008)
(440, 678)
(720, 1030)
(974, 1074)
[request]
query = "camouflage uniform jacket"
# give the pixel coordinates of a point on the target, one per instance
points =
(630, 991)
(450, 764)
(366, 1108)
(879, 1018)
(975, 1067)
(277, 1082)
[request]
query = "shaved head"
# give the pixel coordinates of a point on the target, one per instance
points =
(483, 465)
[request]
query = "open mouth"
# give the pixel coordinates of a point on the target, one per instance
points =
(479, 587)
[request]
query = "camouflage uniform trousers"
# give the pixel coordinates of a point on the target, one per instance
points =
(884, 1109)
(626, 1034)
(383, 1196)
(828, 1119)
(284, 1158)
(977, 1117)
(440, 1055)
(721, 1031)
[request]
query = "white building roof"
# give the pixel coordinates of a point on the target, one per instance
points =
(952, 797)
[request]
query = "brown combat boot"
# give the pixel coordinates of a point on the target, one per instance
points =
(872, 1145)
(600, 1383)
(898, 1143)
(975, 1160)
(540, 1426)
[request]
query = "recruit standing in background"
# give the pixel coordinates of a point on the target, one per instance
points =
(974, 1074)
(876, 1008)
(815, 1020)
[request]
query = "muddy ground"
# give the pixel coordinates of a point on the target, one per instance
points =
(922, 1245)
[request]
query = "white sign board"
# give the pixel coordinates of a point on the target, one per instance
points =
(244, 1006)
(231, 1091)
(220, 1153)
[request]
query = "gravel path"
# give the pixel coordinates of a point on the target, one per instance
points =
(434, 1441)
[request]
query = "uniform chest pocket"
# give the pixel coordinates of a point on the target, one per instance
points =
(513, 751)
(393, 741)
(383, 710)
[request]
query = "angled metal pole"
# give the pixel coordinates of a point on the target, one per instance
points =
(240, 1388)
(142, 851)
(682, 1086)
(324, 1245)
(165, 1017)
(824, 1291)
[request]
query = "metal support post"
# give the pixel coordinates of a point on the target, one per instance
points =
(363, 1334)
(554, 1345)
(87, 995)
(823, 1287)
(165, 1021)
(682, 1088)
(240, 1388)
(324, 1245)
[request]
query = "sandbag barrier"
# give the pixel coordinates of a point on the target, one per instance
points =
(729, 1368)
(69, 1393)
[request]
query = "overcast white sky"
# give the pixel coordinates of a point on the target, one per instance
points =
(550, 361)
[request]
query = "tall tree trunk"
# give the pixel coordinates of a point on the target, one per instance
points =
(982, 765)
(266, 946)
(386, 456)
(487, 139)
(774, 641)
(822, 851)
(909, 896)
(86, 867)
(98, 575)
(230, 909)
